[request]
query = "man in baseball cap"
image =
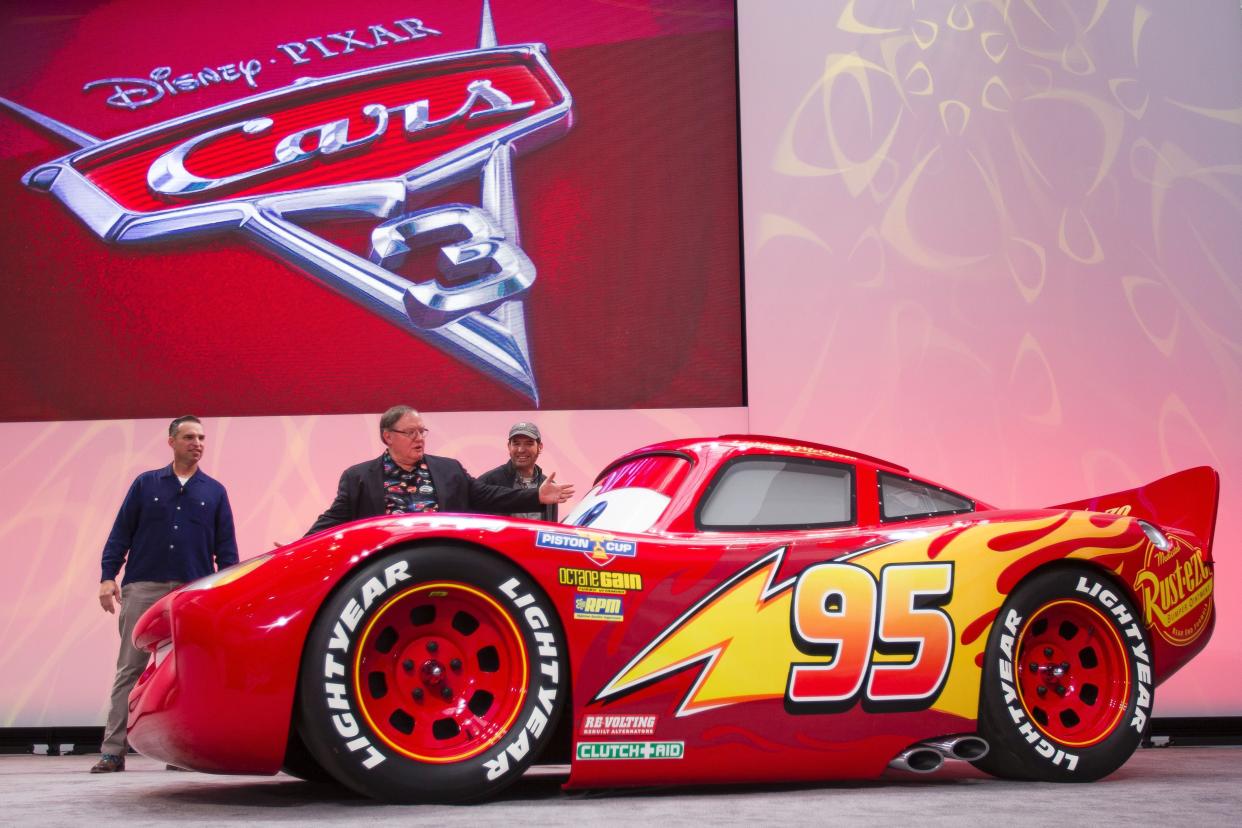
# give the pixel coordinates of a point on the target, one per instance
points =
(521, 471)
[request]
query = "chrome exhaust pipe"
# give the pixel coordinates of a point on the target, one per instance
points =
(963, 747)
(918, 759)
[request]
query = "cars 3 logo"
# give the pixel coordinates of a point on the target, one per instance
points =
(363, 143)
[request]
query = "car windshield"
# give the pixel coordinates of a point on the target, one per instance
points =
(631, 497)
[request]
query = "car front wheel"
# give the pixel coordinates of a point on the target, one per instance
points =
(435, 674)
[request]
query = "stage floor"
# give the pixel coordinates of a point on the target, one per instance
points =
(1159, 786)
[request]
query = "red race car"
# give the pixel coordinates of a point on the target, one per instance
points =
(738, 609)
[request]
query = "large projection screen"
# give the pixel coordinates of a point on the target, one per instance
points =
(302, 206)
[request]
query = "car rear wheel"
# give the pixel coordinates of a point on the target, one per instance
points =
(1067, 681)
(436, 674)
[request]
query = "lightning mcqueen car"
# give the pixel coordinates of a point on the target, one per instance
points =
(739, 609)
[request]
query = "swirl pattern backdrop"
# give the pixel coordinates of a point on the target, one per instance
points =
(998, 242)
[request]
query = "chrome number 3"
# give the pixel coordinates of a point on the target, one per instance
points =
(479, 268)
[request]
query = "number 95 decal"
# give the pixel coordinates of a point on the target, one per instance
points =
(890, 640)
(825, 640)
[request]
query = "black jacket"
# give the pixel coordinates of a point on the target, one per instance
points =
(360, 493)
(506, 475)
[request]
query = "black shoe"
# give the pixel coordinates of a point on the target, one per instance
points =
(109, 763)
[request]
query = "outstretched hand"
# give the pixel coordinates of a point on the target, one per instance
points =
(553, 492)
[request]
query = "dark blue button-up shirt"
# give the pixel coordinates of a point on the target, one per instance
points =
(171, 532)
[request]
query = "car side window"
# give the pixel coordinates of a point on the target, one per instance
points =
(759, 493)
(904, 499)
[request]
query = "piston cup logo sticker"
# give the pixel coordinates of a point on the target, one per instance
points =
(598, 548)
(366, 143)
(1176, 586)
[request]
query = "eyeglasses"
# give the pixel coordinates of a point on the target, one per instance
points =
(411, 433)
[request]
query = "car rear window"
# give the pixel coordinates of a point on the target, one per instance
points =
(904, 499)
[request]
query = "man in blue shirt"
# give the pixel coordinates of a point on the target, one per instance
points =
(174, 526)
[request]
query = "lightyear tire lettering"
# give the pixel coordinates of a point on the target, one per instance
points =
(436, 674)
(1067, 680)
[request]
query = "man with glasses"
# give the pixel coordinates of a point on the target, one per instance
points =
(406, 480)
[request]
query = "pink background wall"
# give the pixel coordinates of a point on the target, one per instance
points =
(999, 243)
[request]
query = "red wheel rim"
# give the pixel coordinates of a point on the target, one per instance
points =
(441, 672)
(1073, 673)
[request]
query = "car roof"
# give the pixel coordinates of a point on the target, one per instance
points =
(756, 443)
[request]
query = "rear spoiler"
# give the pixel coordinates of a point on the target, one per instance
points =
(1185, 500)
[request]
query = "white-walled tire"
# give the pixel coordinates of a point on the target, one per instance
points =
(434, 674)
(1067, 681)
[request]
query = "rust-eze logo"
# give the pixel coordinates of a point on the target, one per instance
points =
(1176, 586)
(373, 142)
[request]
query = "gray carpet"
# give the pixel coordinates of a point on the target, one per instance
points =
(1168, 786)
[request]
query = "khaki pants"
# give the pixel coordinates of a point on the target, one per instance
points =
(136, 598)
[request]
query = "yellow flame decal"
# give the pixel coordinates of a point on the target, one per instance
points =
(739, 636)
